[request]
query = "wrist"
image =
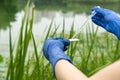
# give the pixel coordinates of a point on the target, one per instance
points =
(53, 64)
(59, 55)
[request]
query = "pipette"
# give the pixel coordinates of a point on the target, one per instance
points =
(73, 39)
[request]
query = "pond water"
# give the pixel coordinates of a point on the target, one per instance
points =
(42, 19)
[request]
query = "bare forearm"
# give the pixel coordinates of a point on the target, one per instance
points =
(112, 72)
(66, 71)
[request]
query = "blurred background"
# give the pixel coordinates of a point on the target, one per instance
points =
(12, 11)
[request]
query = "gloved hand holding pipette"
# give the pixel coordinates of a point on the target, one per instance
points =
(107, 19)
(53, 50)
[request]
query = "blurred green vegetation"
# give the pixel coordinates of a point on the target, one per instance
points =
(8, 8)
(8, 1)
(7, 14)
(1, 58)
(77, 6)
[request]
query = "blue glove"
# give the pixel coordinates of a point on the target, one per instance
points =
(53, 50)
(107, 19)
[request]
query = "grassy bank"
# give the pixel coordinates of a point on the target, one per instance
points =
(90, 54)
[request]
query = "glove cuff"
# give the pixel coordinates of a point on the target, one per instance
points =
(61, 55)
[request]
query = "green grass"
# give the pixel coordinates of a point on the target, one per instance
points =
(1, 58)
(92, 53)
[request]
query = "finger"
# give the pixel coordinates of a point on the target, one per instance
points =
(98, 22)
(102, 11)
(66, 42)
(98, 17)
(65, 48)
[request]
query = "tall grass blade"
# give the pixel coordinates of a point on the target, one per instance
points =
(49, 29)
(37, 58)
(10, 73)
(91, 47)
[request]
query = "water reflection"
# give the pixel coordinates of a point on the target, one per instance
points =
(42, 20)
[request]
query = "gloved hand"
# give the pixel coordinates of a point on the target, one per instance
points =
(107, 19)
(53, 50)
